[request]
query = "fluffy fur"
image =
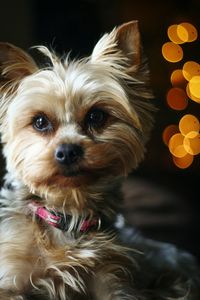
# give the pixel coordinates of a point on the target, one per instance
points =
(102, 104)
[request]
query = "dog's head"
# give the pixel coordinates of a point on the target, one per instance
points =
(75, 123)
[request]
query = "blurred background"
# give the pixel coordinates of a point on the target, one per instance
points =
(162, 200)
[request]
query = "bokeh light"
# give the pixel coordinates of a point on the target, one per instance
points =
(177, 98)
(183, 140)
(177, 79)
(176, 146)
(173, 34)
(172, 52)
(190, 69)
(182, 33)
(192, 145)
(194, 86)
(191, 30)
(168, 132)
(192, 97)
(189, 126)
(183, 162)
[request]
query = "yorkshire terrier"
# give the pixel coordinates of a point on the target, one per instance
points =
(71, 131)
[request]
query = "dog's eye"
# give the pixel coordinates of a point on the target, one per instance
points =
(41, 123)
(96, 118)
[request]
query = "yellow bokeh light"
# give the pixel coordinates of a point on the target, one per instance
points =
(191, 134)
(183, 162)
(172, 52)
(168, 132)
(191, 30)
(176, 146)
(194, 86)
(188, 124)
(192, 145)
(177, 98)
(177, 79)
(173, 34)
(182, 33)
(192, 97)
(191, 69)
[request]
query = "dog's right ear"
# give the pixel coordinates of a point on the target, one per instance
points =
(15, 64)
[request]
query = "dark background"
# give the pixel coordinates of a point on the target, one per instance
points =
(166, 199)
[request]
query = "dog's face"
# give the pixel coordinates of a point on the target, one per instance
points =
(75, 123)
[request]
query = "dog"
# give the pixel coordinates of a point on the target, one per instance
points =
(71, 130)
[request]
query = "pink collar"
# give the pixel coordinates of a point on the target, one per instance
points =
(61, 221)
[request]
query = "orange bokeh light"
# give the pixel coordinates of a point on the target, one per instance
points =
(176, 146)
(177, 98)
(190, 69)
(191, 30)
(192, 145)
(168, 132)
(182, 33)
(172, 52)
(183, 140)
(173, 34)
(177, 79)
(183, 162)
(189, 125)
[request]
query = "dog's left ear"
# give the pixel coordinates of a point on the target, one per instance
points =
(15, 64)
(121, 47)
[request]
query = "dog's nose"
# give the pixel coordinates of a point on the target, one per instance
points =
(68, 154)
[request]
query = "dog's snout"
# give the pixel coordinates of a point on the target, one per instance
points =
(68, 154)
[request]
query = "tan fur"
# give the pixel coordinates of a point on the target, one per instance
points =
(40, 261)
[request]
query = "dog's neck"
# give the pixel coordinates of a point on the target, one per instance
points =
(63, 221)
(97, 213)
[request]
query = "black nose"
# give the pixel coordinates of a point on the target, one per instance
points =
(68, 154)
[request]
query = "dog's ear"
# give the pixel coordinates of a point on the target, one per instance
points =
(121, 47)
(15, 64)
(128, 40)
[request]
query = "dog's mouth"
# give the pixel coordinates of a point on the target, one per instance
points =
(73, 176)
(76, 176)
(62, 180)
(74, 171)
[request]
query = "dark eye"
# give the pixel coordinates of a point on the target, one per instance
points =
(41, 123)
(96, 118)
